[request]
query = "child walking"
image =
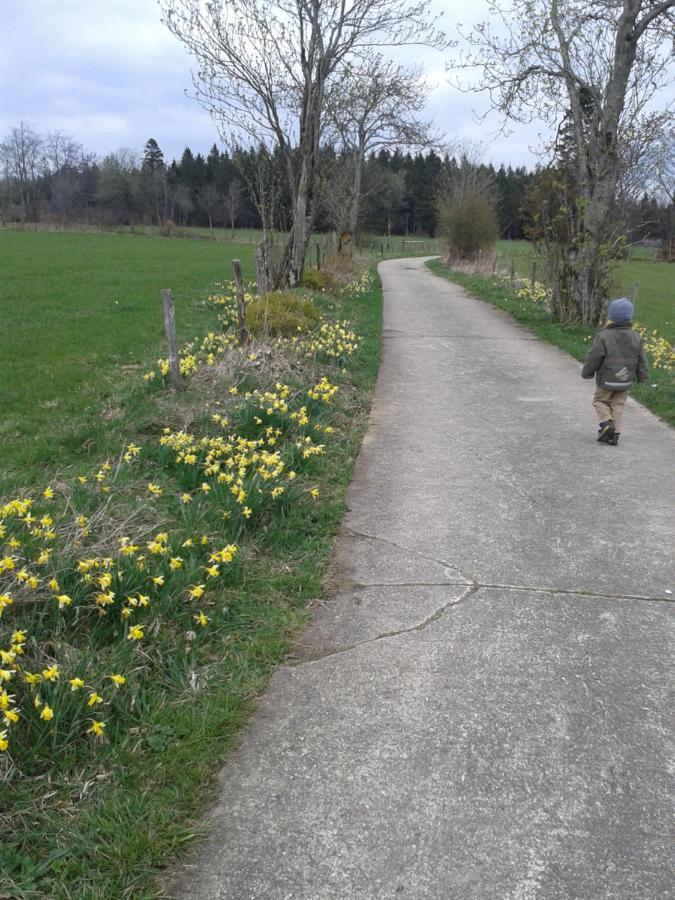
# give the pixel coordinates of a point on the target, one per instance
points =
(616, 358)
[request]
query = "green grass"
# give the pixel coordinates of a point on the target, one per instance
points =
(80, 316)
(105, 828)
(654, 282)
(658, 395)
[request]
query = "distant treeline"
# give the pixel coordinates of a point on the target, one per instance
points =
(51, 178)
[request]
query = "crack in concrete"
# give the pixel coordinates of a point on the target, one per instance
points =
(575, 592)
(358, 586)
(472, 580)
(439, 562)
(419, 626)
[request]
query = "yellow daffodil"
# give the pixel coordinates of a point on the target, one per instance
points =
(200, 618)
(96, 728)
(136, 633)
(117, 679)
(75, 683)
(46, 713)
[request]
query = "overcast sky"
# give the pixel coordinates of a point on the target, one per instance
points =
(108, 73)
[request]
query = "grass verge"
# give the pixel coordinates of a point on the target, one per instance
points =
(80, 315)
(103, 824)
(658, 395)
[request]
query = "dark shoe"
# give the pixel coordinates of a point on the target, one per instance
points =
(614, 439)
(605, 431)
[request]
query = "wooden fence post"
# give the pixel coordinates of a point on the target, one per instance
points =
(244, 336)
(172, 340)
(513, 270)
(634, 291)
(534, 273)
(318, 255)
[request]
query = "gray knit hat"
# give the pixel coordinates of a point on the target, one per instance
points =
(620, 310)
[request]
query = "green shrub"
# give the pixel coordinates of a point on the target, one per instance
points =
(315, 280)
(281, 314)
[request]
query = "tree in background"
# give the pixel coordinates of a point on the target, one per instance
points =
(153, 181)
(265, 69)
(117, 189)
(598, 64)
(374, 104)
(467, 210)
(21, 161)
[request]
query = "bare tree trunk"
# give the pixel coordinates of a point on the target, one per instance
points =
(293, 259)
(262, 268)
(244, 336)
(356, 195)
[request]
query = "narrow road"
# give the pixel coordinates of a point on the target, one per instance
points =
(484, 709)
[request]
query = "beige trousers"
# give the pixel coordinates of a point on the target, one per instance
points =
(609, 405)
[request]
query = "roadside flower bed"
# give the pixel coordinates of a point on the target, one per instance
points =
(112, 580)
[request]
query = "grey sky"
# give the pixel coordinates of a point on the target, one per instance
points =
(111, 75)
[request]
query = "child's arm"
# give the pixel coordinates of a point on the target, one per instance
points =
(595, 357)
(642, 373)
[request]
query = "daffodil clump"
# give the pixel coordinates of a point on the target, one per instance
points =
(363, 284)
(74, 623)
(660, 351)
(331, 342)
(536, 292)
(85, 619)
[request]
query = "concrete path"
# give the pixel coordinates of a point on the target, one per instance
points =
(484, 708)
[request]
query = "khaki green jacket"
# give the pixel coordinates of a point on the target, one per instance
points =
(616, 358)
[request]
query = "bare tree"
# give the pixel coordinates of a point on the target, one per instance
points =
(61, 151)
(233, 200)
(22, 162)
(211, 202)
(374, 104)
(598, 63)
(265, 67)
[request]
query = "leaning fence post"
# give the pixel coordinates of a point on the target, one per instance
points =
(634, 291)
(244, 336)
(513, 270)
(172, 340)
(534, 273)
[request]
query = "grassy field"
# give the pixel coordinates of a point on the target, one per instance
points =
(90, 817)
(80, 315)
(654, 282)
